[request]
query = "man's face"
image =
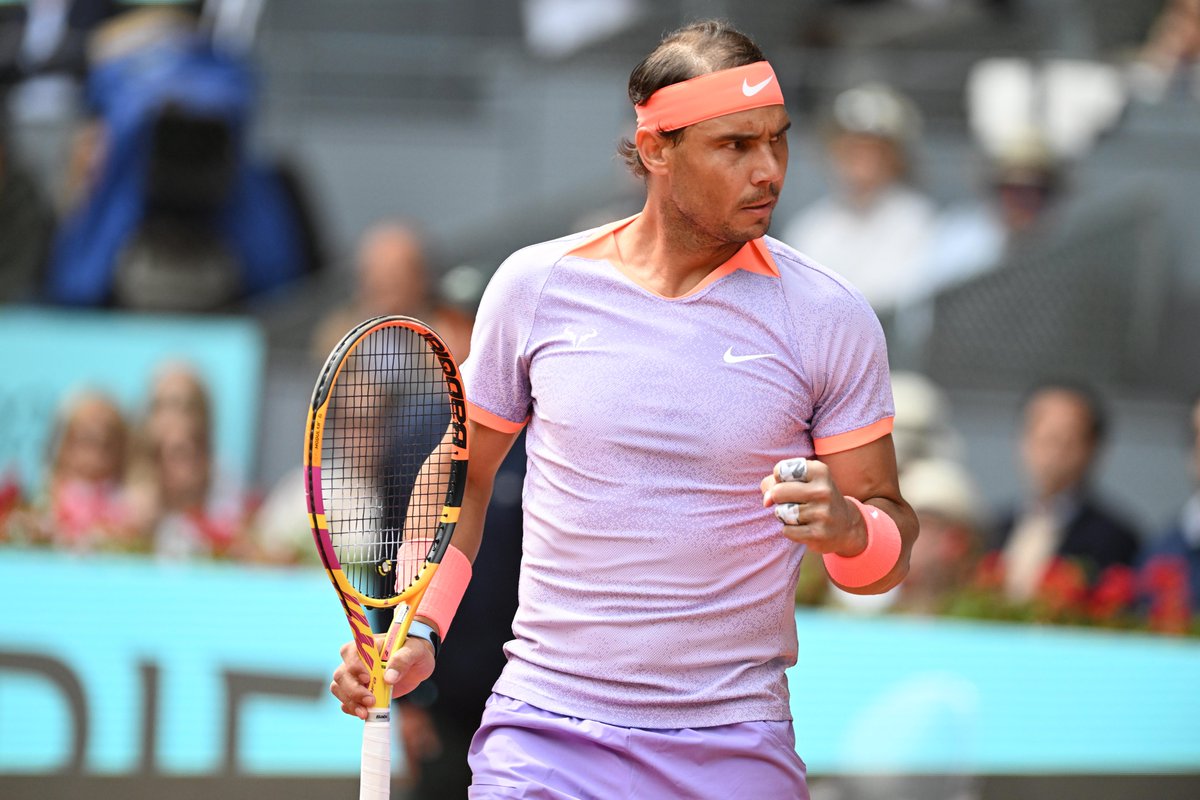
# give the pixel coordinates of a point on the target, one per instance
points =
(92, 446)
(391, 273)
(1057, 444)
(865, 165)
(725, 174)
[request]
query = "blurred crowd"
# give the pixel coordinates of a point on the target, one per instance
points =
(1061, 552)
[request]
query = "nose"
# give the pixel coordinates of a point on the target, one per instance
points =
(769, 168)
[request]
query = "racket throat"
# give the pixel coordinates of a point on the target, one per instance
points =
(396, 633)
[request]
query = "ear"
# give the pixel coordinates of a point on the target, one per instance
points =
(653, 148)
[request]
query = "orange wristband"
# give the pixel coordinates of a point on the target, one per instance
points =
(873, 563)
(446, 590)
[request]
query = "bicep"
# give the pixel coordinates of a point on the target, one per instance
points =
(867, 471)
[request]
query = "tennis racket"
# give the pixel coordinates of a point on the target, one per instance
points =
(385, 458)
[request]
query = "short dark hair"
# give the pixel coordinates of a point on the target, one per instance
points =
(697, 49)
(1086, 393)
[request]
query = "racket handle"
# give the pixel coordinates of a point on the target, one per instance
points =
(375, 780)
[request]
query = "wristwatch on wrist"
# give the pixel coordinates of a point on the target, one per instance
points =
(424, 631)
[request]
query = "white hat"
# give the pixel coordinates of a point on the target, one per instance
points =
(877, 109)
(943, 487)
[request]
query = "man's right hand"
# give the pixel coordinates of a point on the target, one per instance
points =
(407, 667)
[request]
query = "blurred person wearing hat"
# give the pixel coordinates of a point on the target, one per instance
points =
(948, 503)
(874, 226)
(1023, 181)
(923, 426)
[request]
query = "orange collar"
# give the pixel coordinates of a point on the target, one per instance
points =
(753, 257)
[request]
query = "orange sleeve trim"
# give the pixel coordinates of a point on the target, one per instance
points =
(852, 439)
(490, 420)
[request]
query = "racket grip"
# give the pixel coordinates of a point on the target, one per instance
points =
(375, 780)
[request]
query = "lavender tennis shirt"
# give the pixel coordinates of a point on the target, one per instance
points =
(656, 590)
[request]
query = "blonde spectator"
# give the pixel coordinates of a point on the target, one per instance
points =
(85, 504)
(177, 392)
(183, 502)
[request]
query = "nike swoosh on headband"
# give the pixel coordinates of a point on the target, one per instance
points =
(750, 91)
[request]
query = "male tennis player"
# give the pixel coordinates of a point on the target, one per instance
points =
(679, 374)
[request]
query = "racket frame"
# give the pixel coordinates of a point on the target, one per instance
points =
(376, 734)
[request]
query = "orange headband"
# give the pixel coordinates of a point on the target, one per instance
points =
(713, 95)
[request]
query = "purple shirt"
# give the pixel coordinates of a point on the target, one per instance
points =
(656, 590)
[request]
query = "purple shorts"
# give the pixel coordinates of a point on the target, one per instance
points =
(523, 751)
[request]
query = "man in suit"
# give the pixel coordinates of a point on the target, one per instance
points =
(1063, 429)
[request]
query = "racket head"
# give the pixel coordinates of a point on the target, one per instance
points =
(385, 461)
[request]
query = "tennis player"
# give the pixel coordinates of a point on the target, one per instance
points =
(680, 376)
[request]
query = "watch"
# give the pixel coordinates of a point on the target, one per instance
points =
(427, 632)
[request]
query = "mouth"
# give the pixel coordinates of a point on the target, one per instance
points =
(762, 207)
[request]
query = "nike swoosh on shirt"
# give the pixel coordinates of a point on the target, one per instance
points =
(750, 91)
(730, 358)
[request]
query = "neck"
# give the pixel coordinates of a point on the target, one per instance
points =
(669, 255)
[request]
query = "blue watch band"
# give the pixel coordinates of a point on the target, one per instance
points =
(424, 631)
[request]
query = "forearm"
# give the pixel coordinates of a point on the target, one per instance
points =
(869, 475)
(488, 447)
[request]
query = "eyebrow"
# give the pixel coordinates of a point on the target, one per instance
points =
(741, 137)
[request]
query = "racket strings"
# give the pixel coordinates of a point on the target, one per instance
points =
(386, 461)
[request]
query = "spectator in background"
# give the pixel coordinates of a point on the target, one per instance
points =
(179, 214)
(1063, 429)
(945, 557)
(1170, 54)
(86, 507)
(392, 275)
(43, 68)
(1176, 552)
(923, 427)
(1024, 181)
(182, 501)
(873, 227)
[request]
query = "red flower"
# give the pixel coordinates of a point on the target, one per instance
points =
(1114, 592)
(10, 495)
(1063, 588)
(1165, 574)
(989, 574)
(1165, 581)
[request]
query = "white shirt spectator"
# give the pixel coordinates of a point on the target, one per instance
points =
(877, 248)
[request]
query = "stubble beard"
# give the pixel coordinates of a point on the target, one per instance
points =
(705, 234)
